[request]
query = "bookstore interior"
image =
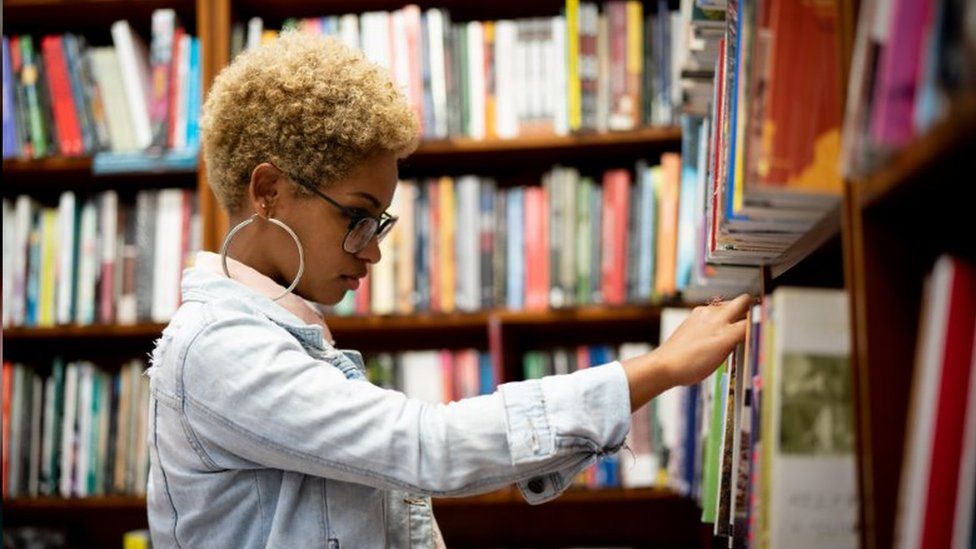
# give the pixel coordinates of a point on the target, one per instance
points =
(587, 174)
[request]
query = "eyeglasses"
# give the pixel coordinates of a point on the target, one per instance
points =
(362, 226)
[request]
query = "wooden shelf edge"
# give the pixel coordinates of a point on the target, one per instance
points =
(94, 331)
(925, 152)
(828, 227)
(465, 146)
(42, 504)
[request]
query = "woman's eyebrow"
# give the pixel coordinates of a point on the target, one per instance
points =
(367, 196)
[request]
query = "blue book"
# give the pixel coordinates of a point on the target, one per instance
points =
(647, 230)
(690, 438)
(32, 302)
(194, 96)
(72, 56)
(171, 161)
(486, 374)
(516, 252)
(422, 253)
(687, 207)
(11, 147)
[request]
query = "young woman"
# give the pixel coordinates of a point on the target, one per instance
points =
(262, 433)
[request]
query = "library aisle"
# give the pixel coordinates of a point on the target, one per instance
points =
(587, 174)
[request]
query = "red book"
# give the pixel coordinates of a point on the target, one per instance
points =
(62, 102)
(717, 141)
(613, 265)
(940, 507)
(174, 86)
(8, 378)
(447, 376)
(536, 249)
(415, 84)
(667, 229)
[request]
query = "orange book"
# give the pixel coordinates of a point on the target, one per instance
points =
(488, 29)
(433, 244)
(667, 228)
(445, 243)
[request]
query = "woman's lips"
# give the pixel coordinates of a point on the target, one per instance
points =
(351, 282)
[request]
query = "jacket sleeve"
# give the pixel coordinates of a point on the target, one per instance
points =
(253, 397)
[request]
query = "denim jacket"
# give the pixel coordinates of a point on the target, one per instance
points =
(262, 434)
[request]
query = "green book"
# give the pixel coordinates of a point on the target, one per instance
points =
(709, 495)
(29, 79)
(584, 237)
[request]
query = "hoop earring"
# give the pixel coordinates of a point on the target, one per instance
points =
(237, 228)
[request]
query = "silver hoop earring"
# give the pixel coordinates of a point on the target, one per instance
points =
(237, 228)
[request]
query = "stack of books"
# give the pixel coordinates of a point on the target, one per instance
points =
(133, 108)
(77, 432)
(593, 68)
(97, 260)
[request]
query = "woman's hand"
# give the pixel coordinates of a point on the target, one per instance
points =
(692, 352)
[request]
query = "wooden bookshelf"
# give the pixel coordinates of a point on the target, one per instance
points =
(898, 221)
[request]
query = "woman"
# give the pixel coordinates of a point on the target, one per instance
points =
(262, 432)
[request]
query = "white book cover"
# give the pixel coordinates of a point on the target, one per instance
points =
(642, 470)
(66, 275)
(506, 80)
(476, 79)
(422, 376)
(255, 28)
(8, 259)
(401, 53)
(813, 485)
(920, 433)
(382, 284)
(68, 426)
(349, 30)
(108, 76)
(83, 436)
(438, 78)
(108, 242)
(88, 264)
(134, 66)
(557, 77)
(24, 210)
(467, 244)
(375, 27)
(168, 254)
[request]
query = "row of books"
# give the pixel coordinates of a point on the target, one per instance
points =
(765, 153)
(466, 243)
(910, 60)
(78, 431)
(756, 442)
(97, 260)
(64, 97)
(937, 490)
(593, 68)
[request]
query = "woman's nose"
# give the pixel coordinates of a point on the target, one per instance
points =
(371, 253)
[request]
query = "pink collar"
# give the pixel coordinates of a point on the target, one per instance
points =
(265, 286)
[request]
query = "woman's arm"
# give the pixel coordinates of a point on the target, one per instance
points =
(695, 349)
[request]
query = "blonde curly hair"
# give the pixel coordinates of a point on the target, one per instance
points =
(313, 107)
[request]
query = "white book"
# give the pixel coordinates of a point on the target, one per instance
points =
(68, 433)
(558, 80)
(809, 376)
(375, 26)
(400, 60)
(642, 470)
(519, 75)
(506, 86)
(349, 30)
(671, 403)
(467, 244)
(66, 275)
(108, 76)
(382, 286)
(922, 407)
(108, 240)
(25, 208)
(422, 376)
(89, 264)
(167, 254)
(476, 79)
(134, 65)
(8, 260)
(255, 28)
(86, 377)
(438, 82)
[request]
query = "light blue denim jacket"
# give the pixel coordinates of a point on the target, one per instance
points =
(263, 435)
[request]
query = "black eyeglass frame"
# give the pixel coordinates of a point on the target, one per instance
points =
(382, 226)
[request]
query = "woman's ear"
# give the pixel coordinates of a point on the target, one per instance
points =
(263, 190)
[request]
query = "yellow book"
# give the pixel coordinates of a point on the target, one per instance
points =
(445, 243)
(572, 65)
(268, 35)
(635, 56)
(488, 32)
(136, 539)
(49, 263)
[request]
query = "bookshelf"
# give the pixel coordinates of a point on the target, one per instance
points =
(898, 220)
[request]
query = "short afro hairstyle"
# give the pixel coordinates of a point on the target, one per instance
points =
(313, 107)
